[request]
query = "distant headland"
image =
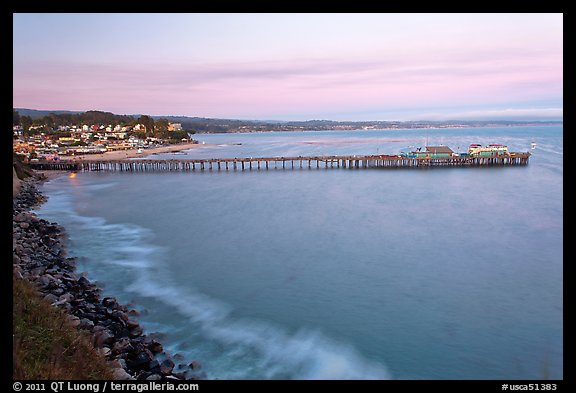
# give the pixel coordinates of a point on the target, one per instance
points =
(215, 125)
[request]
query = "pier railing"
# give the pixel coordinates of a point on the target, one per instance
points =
(261, 163)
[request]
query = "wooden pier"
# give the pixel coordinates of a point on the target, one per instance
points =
(267, 163)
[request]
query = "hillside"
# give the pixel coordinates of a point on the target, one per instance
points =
(37, 114)
(213, 125)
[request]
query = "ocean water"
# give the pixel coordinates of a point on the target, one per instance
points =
(441, 273)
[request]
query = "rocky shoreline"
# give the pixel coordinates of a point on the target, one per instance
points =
(39, 256)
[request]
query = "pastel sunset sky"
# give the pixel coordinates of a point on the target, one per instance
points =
(293, 66)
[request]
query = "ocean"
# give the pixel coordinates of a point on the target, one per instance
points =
(439, 273)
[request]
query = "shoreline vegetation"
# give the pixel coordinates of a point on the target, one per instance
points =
(62, 327)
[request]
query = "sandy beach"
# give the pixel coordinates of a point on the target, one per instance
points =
(133, 153)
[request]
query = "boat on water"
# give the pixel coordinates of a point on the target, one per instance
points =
(533, 145)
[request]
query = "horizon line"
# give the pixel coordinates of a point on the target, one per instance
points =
(307, 120)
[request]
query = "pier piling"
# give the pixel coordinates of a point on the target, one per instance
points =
(345, 162)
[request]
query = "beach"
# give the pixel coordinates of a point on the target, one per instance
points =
(132, 153)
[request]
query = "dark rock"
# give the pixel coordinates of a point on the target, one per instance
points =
(109, 302)
(120, 316)
(58, 291)
(118, 329)
(138, 344)
(51, 298)
(180, 375)
(140, 362)
(130, 323)
(91, 316)
(122, 345)
(136, 332)
(195, 365)
(155, 347)
(166, 366)
(141, 376)
(154, 366)
(101, 337)
(86, 324)
(83, 281)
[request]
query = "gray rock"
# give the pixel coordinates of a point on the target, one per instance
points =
(122, 363)
(21, 217)
(102, 337)
(154, 377)
(19, 249)
(121, 375)
(58, 292)
(67, 297)
(86, 324)
(74, 320)
(17, 273)
(51, 298)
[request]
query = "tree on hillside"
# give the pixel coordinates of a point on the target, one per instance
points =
(25, 122)
(48, 120)
(148, 122)
(15, 117)
(161, 125)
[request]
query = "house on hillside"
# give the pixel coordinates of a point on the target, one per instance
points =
(174, 126)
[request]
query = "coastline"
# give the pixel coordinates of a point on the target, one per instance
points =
(40, 257)
(133, 153)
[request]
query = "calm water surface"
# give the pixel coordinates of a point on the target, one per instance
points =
(336, 273)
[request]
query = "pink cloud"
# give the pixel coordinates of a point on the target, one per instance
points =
(239, 87)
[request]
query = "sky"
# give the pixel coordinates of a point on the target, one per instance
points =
(293, 66)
